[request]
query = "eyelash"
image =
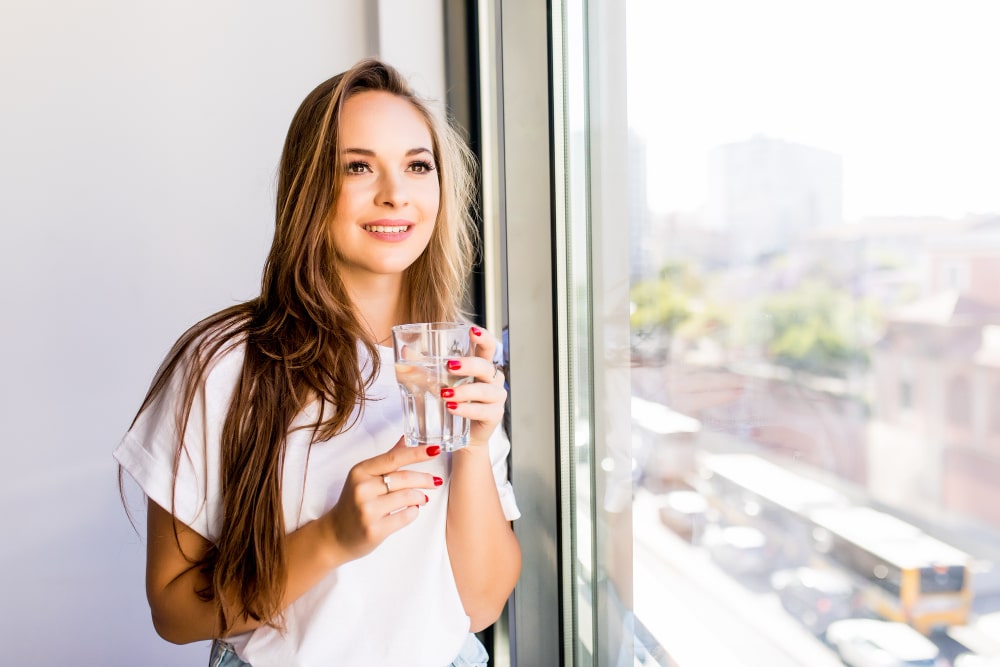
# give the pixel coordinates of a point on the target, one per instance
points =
(357, 167)
(425, 167)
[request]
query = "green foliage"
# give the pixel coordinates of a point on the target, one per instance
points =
(658, 304)
(816, 327)
(664, 302)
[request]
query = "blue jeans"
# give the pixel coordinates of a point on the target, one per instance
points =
(473, 654)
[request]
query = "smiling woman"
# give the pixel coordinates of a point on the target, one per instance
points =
(265, 443)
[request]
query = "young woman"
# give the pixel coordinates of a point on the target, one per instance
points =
(282, 520)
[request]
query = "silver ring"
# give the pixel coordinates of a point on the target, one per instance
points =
(388, 483)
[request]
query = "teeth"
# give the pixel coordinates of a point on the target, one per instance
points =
(383, 229)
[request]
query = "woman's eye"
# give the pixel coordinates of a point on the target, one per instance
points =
(421, 167)
(358, 167)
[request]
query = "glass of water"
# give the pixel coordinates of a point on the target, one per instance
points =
(422, 351)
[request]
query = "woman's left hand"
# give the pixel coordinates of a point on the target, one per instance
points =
(481, 401)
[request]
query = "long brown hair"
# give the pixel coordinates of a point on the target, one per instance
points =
(301, 334)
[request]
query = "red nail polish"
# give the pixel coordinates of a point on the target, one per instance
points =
(451, 405)
(447, 392)
(454, 364)
(433, 450)
(426, 499)
(476, 331)
(438, 481)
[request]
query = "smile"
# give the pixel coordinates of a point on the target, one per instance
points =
(386, 229)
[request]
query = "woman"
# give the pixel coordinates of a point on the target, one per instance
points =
(282, 521)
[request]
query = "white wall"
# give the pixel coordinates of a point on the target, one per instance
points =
(138, 148)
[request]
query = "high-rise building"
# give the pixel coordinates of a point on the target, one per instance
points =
(765, 194)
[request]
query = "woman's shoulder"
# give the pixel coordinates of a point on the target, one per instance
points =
(216, 345)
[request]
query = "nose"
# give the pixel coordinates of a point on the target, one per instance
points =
(391, 190)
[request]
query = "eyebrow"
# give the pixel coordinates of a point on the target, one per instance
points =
(371, 153)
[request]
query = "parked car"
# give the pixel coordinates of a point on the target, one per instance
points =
(685, 512)
(865, 642)
(816, 597)
(976, 660)
(740, 550)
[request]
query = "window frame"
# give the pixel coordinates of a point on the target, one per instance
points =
(546, 250)
(516, 109)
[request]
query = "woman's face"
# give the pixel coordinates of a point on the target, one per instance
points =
(388, 203)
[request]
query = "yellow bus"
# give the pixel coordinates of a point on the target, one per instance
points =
(903, 573)
(909, 576)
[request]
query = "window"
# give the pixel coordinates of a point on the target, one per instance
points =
(959, 402)
(955, 275)
(905, 394)
(748, 202)
(753, 209)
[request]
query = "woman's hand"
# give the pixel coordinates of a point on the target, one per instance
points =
(379, 498)
(481, 401)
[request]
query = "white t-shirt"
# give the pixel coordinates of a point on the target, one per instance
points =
(397, 606)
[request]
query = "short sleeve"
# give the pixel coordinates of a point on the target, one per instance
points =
(499, 449)
(151, 450)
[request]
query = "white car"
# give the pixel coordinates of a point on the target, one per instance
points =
(740, 550)
(684, 512)
(864, 642)
(816, 597)
(974, 660)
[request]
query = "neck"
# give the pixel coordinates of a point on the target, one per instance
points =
(378, 303)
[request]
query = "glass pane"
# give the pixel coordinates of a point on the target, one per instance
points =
(594, 305)
(814, 330)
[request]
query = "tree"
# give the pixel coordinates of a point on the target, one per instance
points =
(817, 328)
(660, 305)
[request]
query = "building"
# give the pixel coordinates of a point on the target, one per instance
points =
(766, 194)
(935, 433)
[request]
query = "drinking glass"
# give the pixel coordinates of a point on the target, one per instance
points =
(422, 351)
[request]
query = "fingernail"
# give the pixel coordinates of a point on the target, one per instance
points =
(451, 405)
(476, 331)
(454, 364)
(433, 450)
(438, 481)
(447, 392)
(426, 499)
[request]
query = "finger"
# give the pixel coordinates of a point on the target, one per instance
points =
(400, 480)
(478, 402)
(396, 520)
(400, 455)
(477, 392)
(480, 368)
(486, 413)
(391, 503)
(485, 343)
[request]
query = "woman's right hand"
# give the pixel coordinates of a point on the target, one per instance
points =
(370, 509)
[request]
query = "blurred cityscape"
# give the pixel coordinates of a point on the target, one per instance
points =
(856, 367)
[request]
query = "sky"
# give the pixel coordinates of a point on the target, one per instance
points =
(905, 91)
